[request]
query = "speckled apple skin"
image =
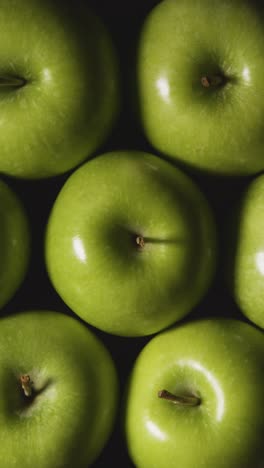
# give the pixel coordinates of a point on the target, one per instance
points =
(68, 422)
(14, 243)
(70, 100)
(92, 257)
(246, 260)
(220, 361)
(217, 130)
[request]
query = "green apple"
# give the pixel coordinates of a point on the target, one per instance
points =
(14, 243)
(195, 398)
(58, 392)
(130, 243)
(245, 252)
(200, 83)
(58, 86)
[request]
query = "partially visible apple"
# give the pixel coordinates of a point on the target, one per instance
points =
(14, 243)
(130, 243)
(195, 398)
(245, 252)
(58, 392)
(58, 86)
(201, 81)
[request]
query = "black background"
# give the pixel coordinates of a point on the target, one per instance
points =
(123, 20)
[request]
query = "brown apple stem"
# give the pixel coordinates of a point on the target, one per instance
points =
(184, 400)
(140, 241)
(11, 81)
(26, 384)
(212, 81)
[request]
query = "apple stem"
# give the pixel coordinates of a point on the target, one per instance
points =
(140, 241)
(26, 384)
(185, 400)
(212, 81)
(11, 81)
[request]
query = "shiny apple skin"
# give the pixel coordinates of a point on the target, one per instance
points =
(69, 419)
(222, 362)
(71, 96)
(15, 243)
(245, 252)
(218, 130)
(92, 256)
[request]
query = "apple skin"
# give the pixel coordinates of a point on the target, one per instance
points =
(72, 413)
(70, 100)
(14, 243)
(92, 256)
(245, 252)
(221, 361)
(218, 130)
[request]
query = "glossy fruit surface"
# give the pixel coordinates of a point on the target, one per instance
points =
(130, 243)
(14, 243)
(220, 364)
(200, 83)
(54, 373)
(245, 256)
(58, 86)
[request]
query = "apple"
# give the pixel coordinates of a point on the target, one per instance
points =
(245, 252)
(195, 398)
(58, 392)
(58, 86)
(200, 79)
(130, 243)
(14, 242)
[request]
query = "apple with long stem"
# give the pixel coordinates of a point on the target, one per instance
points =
(15, 243)
(54, 375)
(59, 86)
(130, 243)
(195, 398)
(200, 82)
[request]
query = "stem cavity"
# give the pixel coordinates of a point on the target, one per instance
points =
(140, 241)
(26, 384)
(212, 81)
(9, 81)
(181, 400)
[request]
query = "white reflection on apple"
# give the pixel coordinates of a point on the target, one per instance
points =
(220, 408)
(260, 262)
(246, 74)
(155, 431)
(79, 249)
(47, 74)
(163, 88)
